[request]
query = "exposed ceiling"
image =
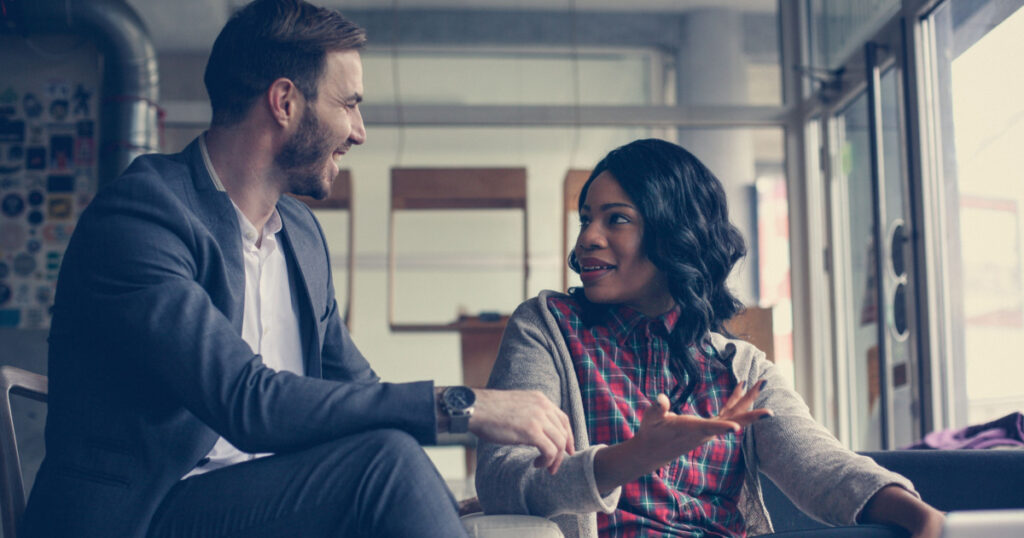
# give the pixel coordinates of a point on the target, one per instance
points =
(192, 25)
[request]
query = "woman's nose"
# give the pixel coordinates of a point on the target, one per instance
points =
(590, 238)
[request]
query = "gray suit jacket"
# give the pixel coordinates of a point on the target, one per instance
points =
(147, 365)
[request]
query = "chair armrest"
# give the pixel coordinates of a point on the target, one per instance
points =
(510, 526)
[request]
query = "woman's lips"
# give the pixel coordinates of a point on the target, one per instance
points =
(592, 269)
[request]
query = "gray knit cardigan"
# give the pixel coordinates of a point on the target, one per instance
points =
(804, 460)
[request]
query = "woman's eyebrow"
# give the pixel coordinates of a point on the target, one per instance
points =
(609, 205)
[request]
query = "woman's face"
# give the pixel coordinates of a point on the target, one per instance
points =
(613, 265)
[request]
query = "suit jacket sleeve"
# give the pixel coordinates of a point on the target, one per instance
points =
(147, 276)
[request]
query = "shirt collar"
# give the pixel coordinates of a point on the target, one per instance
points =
(249, 233)
(623, 320)
(209, 165)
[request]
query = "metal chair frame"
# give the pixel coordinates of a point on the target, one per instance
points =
(12, 486)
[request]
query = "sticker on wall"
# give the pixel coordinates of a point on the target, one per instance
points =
(8, 96)
(33, 246)
(4, 270)
(32, 106)
(22, 295)
(59, 207)
(12, 131)
(12, 236)
(59, 109)
(15, 153)
(36, 217)
(35, 158)
(8, 183)
(60, 183)
(53, 259)
(35, 135)
(35, 198)
(81, 98)
(85, 146)
(34, 181)
(57, 233)
(25, 264)
(58, 89)
(10, 318)
(12, 205)
(44, 294)
(61, 147)
(5, 293)
(34, 318)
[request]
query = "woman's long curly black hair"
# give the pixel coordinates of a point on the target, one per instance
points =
(687, 233)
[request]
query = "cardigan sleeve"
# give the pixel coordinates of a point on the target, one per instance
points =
(506, 480)
(821, 476)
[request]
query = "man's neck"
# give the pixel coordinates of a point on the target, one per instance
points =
(244, 162)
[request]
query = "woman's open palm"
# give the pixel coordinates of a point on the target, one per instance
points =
(666, 435)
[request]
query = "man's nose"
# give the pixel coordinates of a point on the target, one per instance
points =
(358, 134)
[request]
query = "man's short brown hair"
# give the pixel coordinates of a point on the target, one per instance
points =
(271, 39)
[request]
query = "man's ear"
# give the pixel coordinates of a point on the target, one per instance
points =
(284, 100)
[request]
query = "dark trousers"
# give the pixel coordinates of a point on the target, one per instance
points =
(377, 483)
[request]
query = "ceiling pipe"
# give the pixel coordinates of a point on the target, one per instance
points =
(129, 114)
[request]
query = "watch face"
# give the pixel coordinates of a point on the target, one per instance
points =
(459, 398)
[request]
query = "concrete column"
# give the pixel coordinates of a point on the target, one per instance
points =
(712, 71)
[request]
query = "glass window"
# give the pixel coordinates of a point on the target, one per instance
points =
(838, 29)
(982, 123)
(513, 77)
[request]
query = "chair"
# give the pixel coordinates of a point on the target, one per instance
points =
(12, 490)
(949, 480)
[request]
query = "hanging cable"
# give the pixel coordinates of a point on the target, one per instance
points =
(575, 61)
(396, 84)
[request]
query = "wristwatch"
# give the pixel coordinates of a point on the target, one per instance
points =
(457, 402)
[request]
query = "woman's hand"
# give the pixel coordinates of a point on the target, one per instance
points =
(664, 436)
(894, 505)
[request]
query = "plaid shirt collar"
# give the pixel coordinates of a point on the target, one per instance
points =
(623, 320)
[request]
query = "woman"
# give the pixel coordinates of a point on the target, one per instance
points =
(660, 397)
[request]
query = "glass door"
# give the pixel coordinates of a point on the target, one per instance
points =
(872, 260)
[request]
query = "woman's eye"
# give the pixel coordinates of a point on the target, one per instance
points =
(584, 221)
(618, 219)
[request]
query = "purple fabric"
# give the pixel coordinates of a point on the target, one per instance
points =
(1005, 432)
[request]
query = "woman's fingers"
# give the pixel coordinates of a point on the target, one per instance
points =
(747, 418)
(740, 402)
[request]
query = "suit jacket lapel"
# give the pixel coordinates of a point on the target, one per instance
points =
(308, 273)
(216, 211)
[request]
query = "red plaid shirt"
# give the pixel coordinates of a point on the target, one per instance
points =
(623, 364)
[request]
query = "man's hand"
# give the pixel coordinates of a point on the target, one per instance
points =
(521, 417)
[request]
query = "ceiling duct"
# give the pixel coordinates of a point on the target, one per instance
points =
(129, 111)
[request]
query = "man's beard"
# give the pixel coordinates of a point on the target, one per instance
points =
(301, 157)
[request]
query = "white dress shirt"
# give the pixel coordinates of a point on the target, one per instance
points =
(270, 321)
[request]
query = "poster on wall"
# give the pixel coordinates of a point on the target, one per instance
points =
(49, 126)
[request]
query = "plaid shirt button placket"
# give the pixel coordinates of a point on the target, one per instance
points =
(622, 365)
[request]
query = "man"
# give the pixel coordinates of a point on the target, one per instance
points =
(201, 380)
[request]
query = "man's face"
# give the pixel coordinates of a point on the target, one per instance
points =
(329, 126)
